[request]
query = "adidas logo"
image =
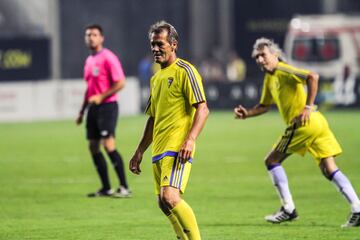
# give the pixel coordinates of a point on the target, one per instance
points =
(165, 178)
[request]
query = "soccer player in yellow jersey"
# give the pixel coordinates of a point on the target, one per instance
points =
(307, 129)
(177, 112)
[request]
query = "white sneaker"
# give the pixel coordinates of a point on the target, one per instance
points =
(282, 216)
(122, 192)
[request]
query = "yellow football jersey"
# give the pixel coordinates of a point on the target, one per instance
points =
(285, 87)
(173, 92)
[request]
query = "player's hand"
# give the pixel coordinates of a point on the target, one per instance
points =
(304, 117)
(186, 150)
(134, 164)
(96, 99)
(240, 112)
(79, 119)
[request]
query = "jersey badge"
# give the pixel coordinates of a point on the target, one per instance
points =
(95, 71)
(170, 81)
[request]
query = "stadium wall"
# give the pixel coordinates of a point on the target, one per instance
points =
(56, 100)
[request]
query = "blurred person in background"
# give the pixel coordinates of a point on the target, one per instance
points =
(104, 76)
(307, 129)
(212, 69)
(177, 112)
(235, 68)
(344, 86)
(145, 70)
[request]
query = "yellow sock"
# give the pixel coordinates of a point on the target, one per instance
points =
(177, 227)
(187, 220)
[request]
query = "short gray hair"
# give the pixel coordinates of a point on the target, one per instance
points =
(158, 27)
(274, 48)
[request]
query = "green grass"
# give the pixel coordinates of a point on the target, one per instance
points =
(45, 172)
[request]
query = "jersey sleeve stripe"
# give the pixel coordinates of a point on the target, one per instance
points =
(301, 75)
(194, 82)
(192, 77)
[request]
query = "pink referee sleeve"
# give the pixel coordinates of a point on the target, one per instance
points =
(115, 67)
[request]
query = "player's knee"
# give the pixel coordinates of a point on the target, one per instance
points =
(326, 173)
(269, 162)
(109, 145)
(169, 199)
(328, 167)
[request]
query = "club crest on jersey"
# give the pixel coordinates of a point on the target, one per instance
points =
(170, 81)
(95, 71)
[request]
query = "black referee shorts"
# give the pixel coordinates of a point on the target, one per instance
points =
(101, 120)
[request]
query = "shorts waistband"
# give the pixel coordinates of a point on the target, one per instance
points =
(167, 154)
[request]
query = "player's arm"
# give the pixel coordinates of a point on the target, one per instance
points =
(201, 114)
(312, 87)
(146, 140)
(243, 113)
(80, 117)
(99, 98)
(262, 107)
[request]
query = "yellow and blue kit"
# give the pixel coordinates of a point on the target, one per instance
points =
(285, 87)
(173, 92)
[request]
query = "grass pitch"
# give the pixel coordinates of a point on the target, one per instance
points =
(46, 170)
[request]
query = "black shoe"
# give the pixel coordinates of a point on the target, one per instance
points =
(354, 220)
(101, 193)
(282, 216)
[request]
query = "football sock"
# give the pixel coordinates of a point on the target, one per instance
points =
(280, 181)
(177, 227)
(101, 168)
(344, 186)
(119, 167)
(187, 220)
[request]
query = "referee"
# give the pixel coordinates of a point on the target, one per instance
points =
(104, 76)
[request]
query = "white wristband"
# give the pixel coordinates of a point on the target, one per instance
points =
(308, 107)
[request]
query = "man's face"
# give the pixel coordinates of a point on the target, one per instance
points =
(266, 60)
(93, 39)
(160, 47)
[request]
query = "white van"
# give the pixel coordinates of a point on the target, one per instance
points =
(328, 45)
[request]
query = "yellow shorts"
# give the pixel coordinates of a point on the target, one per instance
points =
(169, 171)
(315, 137)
